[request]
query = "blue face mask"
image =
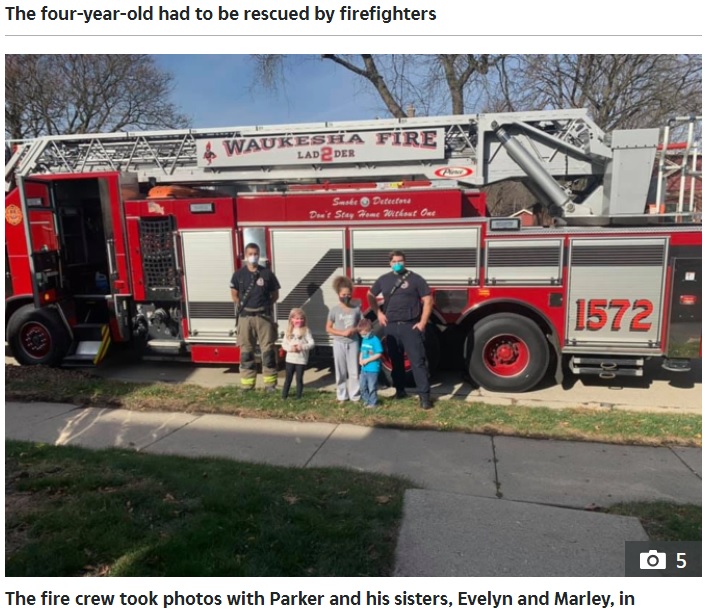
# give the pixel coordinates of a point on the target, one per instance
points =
(398, 267)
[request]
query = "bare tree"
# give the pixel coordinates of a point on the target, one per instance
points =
(620, 91)
(433, 84)
(506, 198)
(67, 94)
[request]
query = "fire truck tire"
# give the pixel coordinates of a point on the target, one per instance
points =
(509, 353)
(37, 336)
(432, 351)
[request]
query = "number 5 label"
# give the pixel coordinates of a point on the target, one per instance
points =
(681, 562)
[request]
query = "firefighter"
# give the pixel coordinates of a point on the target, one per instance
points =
(407, 304)
(254, 290)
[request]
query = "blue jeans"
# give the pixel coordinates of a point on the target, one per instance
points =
(369, 385)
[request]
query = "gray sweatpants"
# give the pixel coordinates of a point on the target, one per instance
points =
(346, 368)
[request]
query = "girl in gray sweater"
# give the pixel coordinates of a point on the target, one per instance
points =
(341, 325)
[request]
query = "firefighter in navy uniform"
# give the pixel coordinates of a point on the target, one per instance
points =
(254, 290)
(407, 304)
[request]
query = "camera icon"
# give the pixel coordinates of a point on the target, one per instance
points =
(653, 560)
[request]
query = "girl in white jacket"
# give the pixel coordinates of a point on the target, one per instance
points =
(297, 344)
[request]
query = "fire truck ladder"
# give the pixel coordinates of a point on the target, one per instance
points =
(550, 151)
(564, 142)
(678, 162)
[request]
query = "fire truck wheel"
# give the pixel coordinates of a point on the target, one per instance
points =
(509, 353)
(37, 336)
(432, 351)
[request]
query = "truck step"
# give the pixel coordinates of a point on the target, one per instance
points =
(165, 350)
(607, 362)
(91, 342)
(165, 346)
(677, 365)
(607, 367)
(78, 361)
(88, 331)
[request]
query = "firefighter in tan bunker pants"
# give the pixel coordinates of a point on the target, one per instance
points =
(254, 290)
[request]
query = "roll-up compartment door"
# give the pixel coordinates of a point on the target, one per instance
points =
(616, 292)
(441, 255)
(208, 260)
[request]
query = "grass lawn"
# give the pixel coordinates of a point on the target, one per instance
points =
(663, 520)
(74, 512)
(603, 425)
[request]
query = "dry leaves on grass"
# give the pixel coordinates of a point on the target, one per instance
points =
(102, 570)
(30, 374)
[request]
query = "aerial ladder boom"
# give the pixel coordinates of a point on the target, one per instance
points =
(545, 149)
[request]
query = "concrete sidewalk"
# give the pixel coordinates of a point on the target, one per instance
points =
(488, 505)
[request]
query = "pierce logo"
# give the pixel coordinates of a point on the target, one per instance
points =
(365, 202)
(453, 172)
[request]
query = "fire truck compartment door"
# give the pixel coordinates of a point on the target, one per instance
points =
(442, 255)
(616, 293)
(209, 262)
(306, 263)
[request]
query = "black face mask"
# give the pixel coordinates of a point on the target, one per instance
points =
(345, 300)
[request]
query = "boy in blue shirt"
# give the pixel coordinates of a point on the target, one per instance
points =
(370, 361)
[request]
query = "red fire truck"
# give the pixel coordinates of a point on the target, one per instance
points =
(131, 238)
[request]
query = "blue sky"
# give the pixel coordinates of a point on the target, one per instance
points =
(218, 91)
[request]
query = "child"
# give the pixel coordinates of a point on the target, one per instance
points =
(297, 343)
(341, 324)
(370, 361)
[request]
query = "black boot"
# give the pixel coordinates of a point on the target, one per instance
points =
(400, 394)
(425, 402)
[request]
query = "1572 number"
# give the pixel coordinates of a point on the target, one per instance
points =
(595, 314)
